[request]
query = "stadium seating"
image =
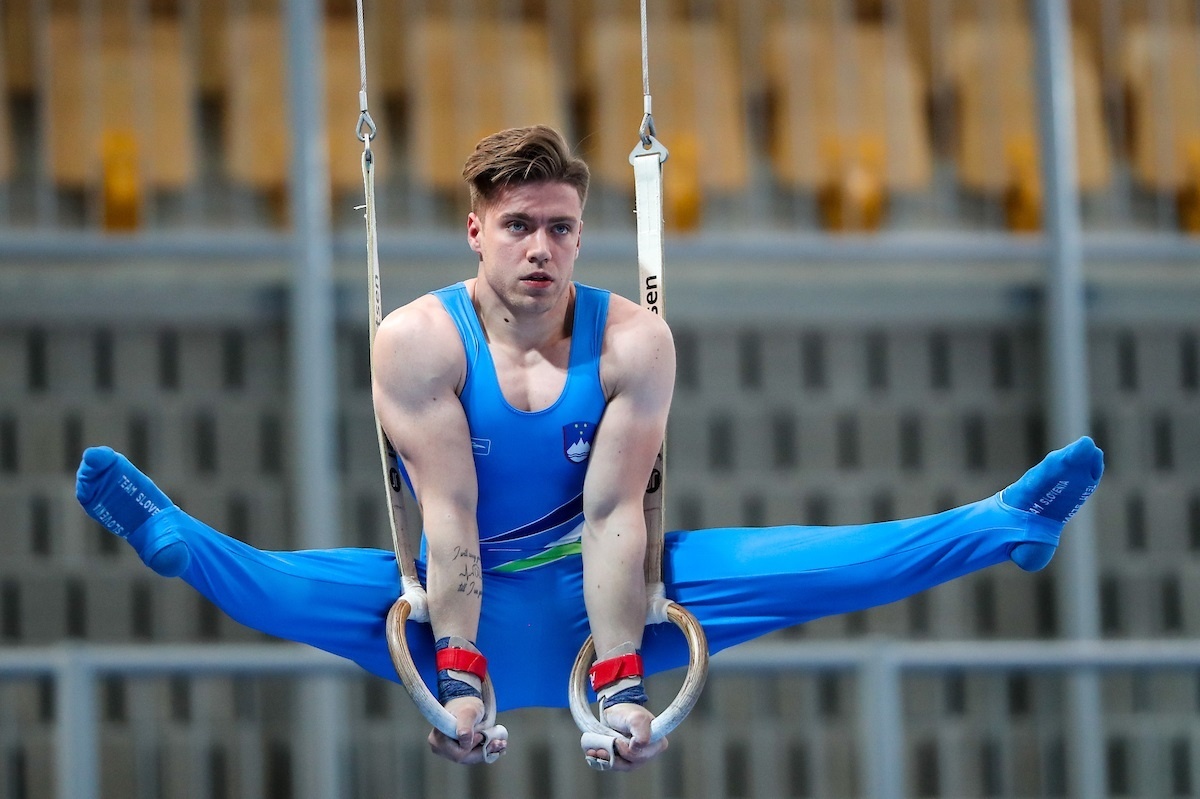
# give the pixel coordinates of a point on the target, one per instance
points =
(848, 117)
(119, 110)
(992, 71)
(1160, 69)
(257, 131)
(697, 95)
(500, 74)
(139, 103)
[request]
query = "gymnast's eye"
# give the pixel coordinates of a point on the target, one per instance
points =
(562, 229)
(516, 226)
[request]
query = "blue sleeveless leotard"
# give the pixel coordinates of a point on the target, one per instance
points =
(542, 520)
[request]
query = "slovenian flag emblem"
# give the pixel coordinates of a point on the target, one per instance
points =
(577, 440)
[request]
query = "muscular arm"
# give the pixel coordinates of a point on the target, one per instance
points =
(418, 366)
(638, 370)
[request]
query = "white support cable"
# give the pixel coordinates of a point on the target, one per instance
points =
(645, 52)
(389, 460)
(647, 159)
(364, 116)
(413, 603)
(362, 58)
(394, 485)
(647, 132)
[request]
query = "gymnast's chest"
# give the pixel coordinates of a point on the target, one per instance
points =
(531, 381)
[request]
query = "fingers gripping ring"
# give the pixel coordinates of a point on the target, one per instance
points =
(608, 743)
(596, 734)
(424, 699)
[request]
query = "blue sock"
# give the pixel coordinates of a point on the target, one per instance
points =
(122, 499)
(1054, 489)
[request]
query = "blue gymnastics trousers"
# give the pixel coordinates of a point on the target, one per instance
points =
(741, 583)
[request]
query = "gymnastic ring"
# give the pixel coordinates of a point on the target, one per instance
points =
(664, 724)
(424, 699)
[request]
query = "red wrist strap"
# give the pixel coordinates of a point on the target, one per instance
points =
(461, 660)
(606, 672)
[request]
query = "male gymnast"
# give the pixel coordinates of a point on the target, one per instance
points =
(527, 410)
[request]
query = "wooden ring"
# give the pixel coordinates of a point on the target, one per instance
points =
(424, 699)
(676, 712)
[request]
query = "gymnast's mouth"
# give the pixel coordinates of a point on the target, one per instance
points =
(537, 277)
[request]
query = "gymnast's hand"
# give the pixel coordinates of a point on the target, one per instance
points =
(633, 721)
(466, 749)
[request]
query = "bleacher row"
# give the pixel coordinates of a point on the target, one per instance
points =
(849, 102)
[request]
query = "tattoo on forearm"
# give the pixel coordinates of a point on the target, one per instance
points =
(470, 575)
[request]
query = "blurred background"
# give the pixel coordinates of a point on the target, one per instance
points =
(912, 245)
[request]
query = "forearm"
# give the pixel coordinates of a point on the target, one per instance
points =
(614, 551)
(454, 576)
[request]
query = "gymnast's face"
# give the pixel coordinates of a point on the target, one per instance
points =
(527, 239)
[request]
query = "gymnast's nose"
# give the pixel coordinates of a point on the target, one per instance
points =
(539, 247)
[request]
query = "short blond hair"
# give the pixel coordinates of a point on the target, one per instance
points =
(537, 154)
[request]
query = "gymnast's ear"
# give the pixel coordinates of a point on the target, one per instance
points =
(475, 233)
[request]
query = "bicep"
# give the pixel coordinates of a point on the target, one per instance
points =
(416, 402)
(623, 452)
(632, 429)
(433, 441)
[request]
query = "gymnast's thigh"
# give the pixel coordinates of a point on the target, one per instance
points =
(531, 628)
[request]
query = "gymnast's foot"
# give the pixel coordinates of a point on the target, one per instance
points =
(122, 499)
(1054, 489)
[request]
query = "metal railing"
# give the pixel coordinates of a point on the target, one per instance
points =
(878, 664)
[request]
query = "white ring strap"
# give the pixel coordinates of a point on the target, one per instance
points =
(413, 602)
(647, 159)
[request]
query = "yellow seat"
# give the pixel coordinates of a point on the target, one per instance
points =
(991, 68)
(1162, 71)
(697, 95)
(105, 84)
(258, 129)
(468, 79)
(6, 143)
(18, 46)
(1107, 24)
(119, 109)
(925, 21)
(848, 117)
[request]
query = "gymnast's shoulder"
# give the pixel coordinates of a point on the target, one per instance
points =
(419, 341)
(637, 344)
